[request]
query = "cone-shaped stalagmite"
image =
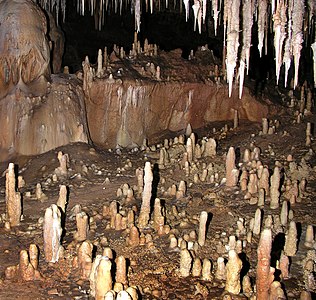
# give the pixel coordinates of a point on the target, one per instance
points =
(13, 198)
(264, 275)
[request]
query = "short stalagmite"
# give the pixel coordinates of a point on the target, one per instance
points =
(233, 269)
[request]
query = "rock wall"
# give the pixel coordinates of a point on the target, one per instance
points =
(125, 112)
(34, 125)
(24, 48)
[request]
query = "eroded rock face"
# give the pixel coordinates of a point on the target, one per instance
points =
(24, 48)
(125, 112)
(34, 125)
(38, 111)
(57, 38)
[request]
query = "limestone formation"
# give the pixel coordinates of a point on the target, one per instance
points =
(220, 272)
(146, 196)
(85, 259)
(28, 27)
(290, 246)
(133, 238)
(309, 237)
(102, 277)
(62, 199)
(52, 232)
(82, 221)
(121, 270)
(233, 269)
(231, 171)
(207, 270)
(274, 189)
(264, 276)
(197, 267)
(202, 228)
(12, 198)
(185, 263)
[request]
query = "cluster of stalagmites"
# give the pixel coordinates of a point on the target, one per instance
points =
(275, 191)
(104, 70)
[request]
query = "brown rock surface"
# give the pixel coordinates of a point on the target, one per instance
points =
(24, 48)
(33, 125)
(125, 111)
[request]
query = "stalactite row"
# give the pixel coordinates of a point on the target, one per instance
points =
(287, 25)
(56, 6)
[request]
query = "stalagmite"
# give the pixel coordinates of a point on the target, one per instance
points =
(62, 200)
(52, 234)
(257, 222)
(220, 273)
(264, 275)
(309, 237)
(185, 263)
(121, 273)
(284, 263)
(82, 226)
(207, 270)
(12, 198)
(99, 67)
(276, 291)
(231, 171)
(197, 267)
(103, 278)
(233, 269)
(85, 259)
(284, 213)
(145, 208)
(202, 228)
(123, 295)
(290, 246)
(274, 189)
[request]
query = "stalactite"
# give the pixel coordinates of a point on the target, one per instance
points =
(186, 7)
(196, 10)
(232, 42)
(279, 23)
(204, 3)
(298, 17)
(287, 22)
(227, 8)
(137, 15)
(215, 14)
(287, 57)
(262, 22)
(247, 11)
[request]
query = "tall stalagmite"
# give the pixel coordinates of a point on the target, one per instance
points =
(264, 277)
(144, 214)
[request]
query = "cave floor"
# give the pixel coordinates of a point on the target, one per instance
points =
(153, 269)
